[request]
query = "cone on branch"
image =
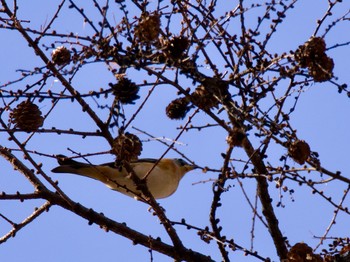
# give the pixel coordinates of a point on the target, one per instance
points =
(27, 117)
(236, 138)
(310, 51)
(175, 47)
(148, 28)
(127, 147)
(61, 56)
(178, 108)
(125, 91)
(210, 93)
(300, 151)
(312, 55)
(203, 99)
(322, 70)
(301, 252)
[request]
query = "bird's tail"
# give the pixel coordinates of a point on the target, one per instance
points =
(67, 165)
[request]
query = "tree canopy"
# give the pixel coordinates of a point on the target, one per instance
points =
(253, 92)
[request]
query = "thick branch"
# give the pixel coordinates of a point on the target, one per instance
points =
(123, 230)
(218, 190)
(149, 199)
(265, 199)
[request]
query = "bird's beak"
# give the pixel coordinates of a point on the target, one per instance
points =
(194, 167)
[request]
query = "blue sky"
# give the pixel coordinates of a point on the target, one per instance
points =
(321, 118)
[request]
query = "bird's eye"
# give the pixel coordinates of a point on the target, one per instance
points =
(182, 162)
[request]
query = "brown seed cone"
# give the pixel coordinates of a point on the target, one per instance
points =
(236, 138)
(60, 56)
(312, 55)
(175, 47)
(203, 99)
(311, 51)
(322, 70)
(148, 29)
(125, 91)
(301, 252)
(299, 151)
(178, 108)
(127, 147)
(27, 116)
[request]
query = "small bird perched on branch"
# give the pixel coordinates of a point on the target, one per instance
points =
(162, 181)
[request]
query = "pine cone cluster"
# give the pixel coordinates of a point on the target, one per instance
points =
(125, 91)
(148, 28)
(127, 147)
(301, 252)
(299, 151)
(27, 116)
(312, 55)
(60, 56)
(178, 108)
(209, 94)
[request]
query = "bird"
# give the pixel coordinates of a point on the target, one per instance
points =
(162, 181)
